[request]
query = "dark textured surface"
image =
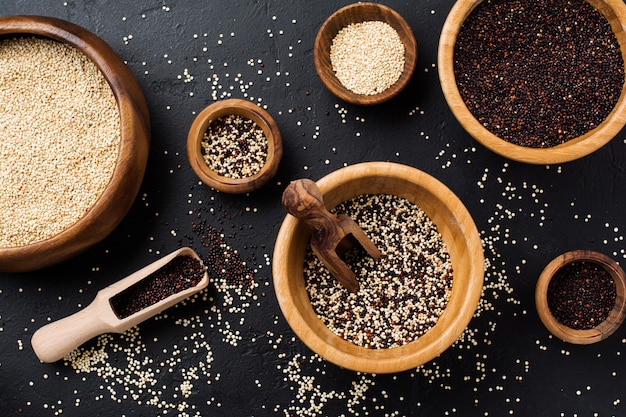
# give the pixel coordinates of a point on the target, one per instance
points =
(234, 339)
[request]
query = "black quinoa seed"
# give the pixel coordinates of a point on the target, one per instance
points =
(181, 273)
(581, 295)
(538, 73)
(401, 295)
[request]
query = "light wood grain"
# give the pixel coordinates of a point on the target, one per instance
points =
(357, 13)
(120, 194)
(613, 10)
(250, 111)
(602, 330)
(55, 340)
(459, 233)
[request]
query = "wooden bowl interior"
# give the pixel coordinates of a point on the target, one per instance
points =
(250, 111)
(602, 330)
(358, 13)
(458, 231)
(613, 10)
(119, 195)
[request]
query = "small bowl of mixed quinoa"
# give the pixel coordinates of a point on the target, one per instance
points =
(234, 146)
(414, 301)
(539, 82)
(579, 296)
(365, 53)
(74, 144)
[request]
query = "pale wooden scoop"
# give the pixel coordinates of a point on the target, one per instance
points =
(331, 234)
(55, 340)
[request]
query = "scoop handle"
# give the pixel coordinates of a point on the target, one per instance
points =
(55, 340)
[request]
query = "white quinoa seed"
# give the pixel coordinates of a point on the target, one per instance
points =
(59, 138)
(367, 57)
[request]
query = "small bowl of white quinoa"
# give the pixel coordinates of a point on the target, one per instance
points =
(74, 143)
(414, 301)
(234, 146)
(365, 53)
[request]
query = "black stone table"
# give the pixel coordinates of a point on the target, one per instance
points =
(229, 352)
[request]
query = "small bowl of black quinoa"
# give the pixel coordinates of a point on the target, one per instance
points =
(75, 141)
(580, 296)
(234, 146)
(365, 53)
(414, 301)
(538, 82)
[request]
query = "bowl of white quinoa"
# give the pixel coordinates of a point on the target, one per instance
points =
(234, 146)
(365, 53)
(414, 301)
(74, 139)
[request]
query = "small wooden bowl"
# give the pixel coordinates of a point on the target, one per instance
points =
(453, 222)
(358, 13)
(120, 194)
(602, 330)
(250, 111)
(615, 13)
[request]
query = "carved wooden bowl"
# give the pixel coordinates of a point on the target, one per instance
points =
(117, 198)
(453, 222)
(613, 10)
(357, 13)
(602, 330)
(249, 111)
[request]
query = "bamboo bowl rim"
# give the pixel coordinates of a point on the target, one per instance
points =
(119, 195)
(246, 109)
(613, 10)
(357, 13)
(602, 330)
(459, 233)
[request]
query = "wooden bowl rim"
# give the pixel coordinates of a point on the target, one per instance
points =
(602, 330)
(573, 149)
(321, 54)
(249, 110)
(133, 154)
(465, 295)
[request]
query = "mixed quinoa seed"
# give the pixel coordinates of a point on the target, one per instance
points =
(234, 147)
(367, 57)
(59, 138)
(538, 73)
(401, 295)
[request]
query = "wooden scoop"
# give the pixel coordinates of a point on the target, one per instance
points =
(332, 234)
(55, 340)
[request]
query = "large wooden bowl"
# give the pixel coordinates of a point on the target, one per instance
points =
(248, 110)
(453, 222)
(120, 194)
(615, 13)
(358, 13)
(603, 329)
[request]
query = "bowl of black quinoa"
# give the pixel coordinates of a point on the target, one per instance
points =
(539, 82)
(234, 146)
(580, 296)
(414, 301)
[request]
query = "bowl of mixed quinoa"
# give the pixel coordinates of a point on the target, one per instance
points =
(74, 142)
(234, 146)
(538, 82)
(414, 301)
